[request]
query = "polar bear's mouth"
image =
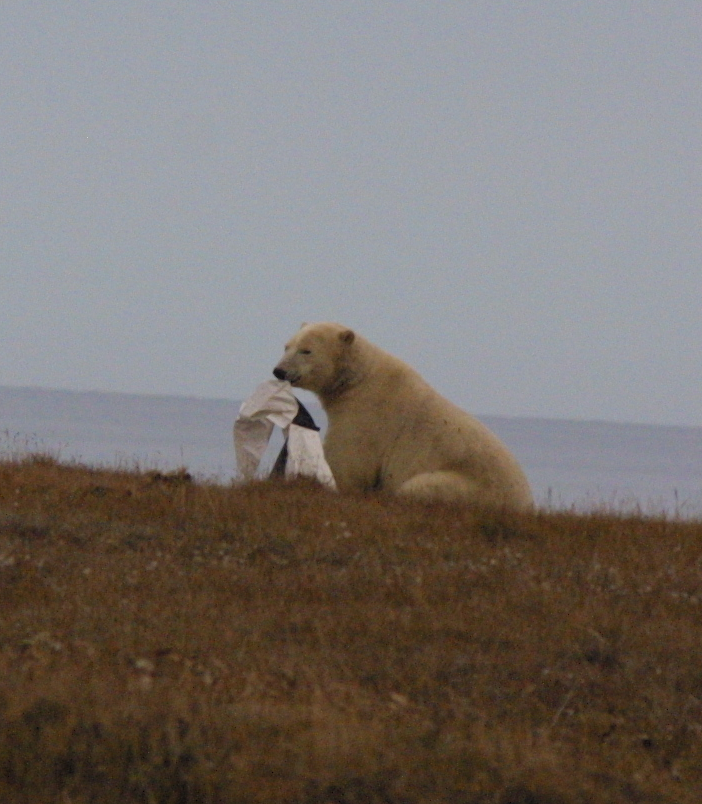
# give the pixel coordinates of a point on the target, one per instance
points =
(282, 374)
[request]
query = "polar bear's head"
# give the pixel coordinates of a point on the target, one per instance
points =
(316, 358)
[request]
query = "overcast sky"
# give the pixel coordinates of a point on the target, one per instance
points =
(508, 195)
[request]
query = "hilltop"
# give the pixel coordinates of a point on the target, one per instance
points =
(166, 640)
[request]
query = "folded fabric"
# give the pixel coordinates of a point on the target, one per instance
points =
(273, 404)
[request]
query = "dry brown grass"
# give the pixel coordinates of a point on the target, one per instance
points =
(168, 641)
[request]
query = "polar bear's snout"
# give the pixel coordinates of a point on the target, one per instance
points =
(281, 373)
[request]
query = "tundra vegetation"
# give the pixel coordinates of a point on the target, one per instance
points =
(166, 641)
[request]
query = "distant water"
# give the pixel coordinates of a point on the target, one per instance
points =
(570, 464)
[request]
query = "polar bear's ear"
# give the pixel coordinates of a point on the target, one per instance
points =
(347, 336)
(304, 324)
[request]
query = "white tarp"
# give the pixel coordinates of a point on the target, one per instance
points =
(273, 404)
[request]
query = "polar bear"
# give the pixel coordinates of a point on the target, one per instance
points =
(389, 430)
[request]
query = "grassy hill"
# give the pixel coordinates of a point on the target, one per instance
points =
(169, 641)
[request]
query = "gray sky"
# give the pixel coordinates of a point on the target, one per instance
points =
(508, 195)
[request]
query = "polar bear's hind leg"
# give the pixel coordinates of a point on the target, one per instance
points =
(442, 485)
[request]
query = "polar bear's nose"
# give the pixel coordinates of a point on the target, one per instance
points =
(279, 373)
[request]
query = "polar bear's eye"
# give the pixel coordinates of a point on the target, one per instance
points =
(305, 351)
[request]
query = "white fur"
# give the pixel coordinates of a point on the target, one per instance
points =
(388, 429)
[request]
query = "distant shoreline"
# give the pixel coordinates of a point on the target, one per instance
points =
(11, 389)
(570, 464)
